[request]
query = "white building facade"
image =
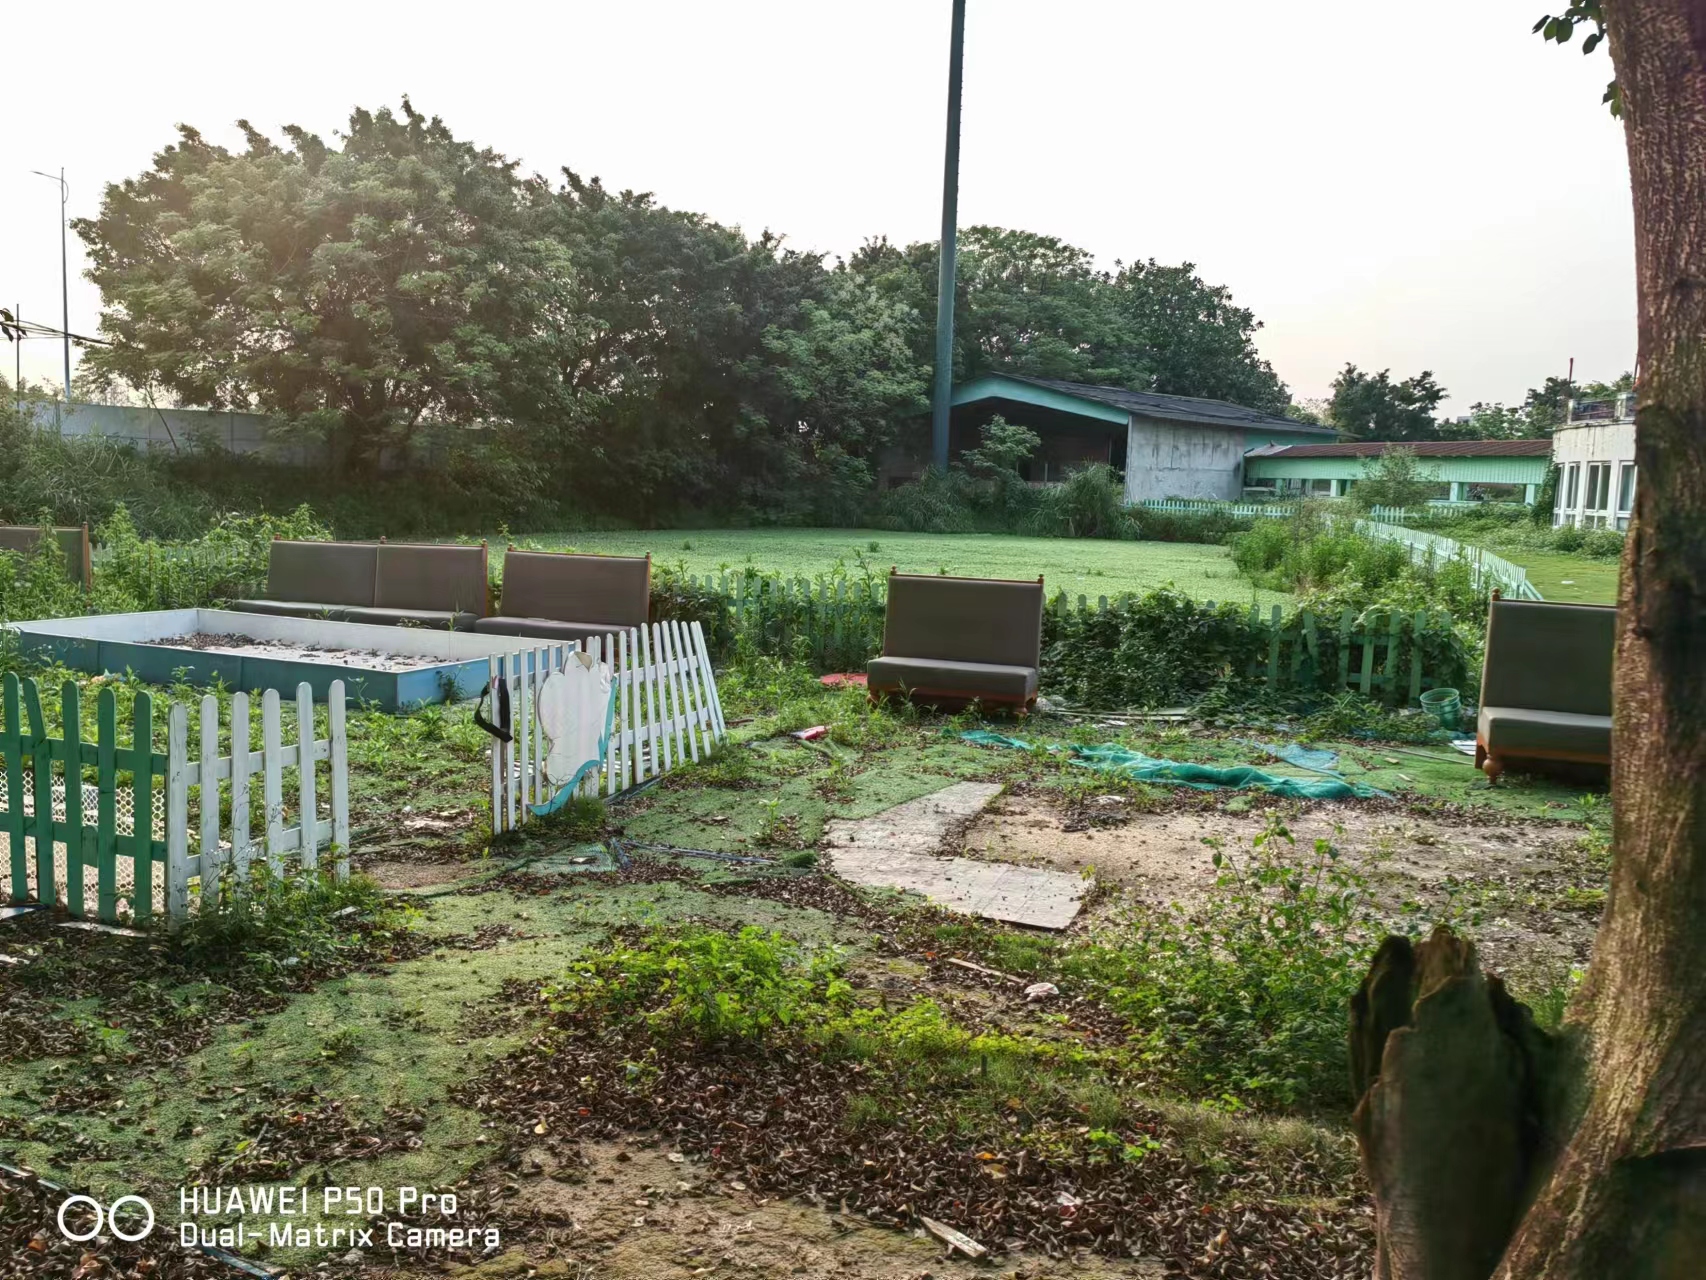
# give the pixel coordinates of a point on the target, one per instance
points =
(1594, 452)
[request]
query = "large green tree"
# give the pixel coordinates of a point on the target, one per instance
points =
(1492, 1149)
(1032, 304)
(1371, 406)
(700, 368)
(356, 289)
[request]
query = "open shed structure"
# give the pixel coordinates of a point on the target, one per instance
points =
(1462, 470)
(1166, 446)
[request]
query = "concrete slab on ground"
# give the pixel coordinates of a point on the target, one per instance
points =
(900, 849)
(918, 826)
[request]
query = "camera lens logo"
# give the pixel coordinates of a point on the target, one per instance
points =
(109, 1217)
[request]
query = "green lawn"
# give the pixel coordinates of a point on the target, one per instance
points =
(1090, 567)
(1568, 579)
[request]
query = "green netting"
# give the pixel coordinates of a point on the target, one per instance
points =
(1110, 757)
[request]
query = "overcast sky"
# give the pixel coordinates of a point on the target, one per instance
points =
(1397, 187)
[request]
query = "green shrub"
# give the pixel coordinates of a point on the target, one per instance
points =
(1568, 538)
(1396, 478)
(937, 502)
(1213, 526)
(227, 562)
(1245, 995)
(301, 923)
(1165, 649)
(1089, 503)
(1602, 544)
(37, 586)
(705, 985)
(1160, 649)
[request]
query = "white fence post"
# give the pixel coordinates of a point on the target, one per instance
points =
(242, 769)
(337, 748)
(272, 779)
(208, 780)
(177, 813)
(309, 807)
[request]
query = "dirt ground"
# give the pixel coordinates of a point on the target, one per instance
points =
(637, 1211)
(1162, 858)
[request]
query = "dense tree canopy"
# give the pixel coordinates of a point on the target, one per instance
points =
(1372, 406)
(399, 276)
(1032, 304)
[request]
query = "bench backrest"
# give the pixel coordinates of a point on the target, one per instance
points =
(1549, 657)
(577, 588)
(73, 546)
(964, 620)
(322, 572)
(440, 578)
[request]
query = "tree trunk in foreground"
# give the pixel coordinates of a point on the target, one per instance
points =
(1493, 1150)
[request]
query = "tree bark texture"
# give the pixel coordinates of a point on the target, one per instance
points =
(1613, 1183)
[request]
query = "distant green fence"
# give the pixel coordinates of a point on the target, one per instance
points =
(835, 623)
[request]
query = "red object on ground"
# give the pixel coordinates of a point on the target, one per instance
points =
(836, 678)
(812, 734)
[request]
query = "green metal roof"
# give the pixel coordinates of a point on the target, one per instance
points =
(1117, 404)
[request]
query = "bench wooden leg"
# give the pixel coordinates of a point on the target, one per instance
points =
(1492, 767)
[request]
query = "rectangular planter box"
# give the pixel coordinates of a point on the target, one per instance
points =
(453, 663)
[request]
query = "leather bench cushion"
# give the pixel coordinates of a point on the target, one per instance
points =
(1516, 730)
(956, 679)
(293, 609)
(964, 620)
(328, 572)
(436, 579)
(546, 629)
(434, 619)
(566, 588)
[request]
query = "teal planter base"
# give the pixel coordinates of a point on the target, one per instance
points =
(434, 666)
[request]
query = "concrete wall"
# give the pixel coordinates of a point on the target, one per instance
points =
(173, 428)
(245, 433)
(1180, 460)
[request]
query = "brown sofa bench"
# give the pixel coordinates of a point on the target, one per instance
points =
(563, 597)
(73, 545)
(1545, 684)
(960, 639)
(379, 583)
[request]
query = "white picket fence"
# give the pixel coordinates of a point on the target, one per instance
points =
(666, 712)
(1210, 506)
(233, 845)
(1486, 570)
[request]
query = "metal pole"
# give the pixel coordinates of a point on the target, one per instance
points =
(942, 399)
(64, 274)
(64, 284)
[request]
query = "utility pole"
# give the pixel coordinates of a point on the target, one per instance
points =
(942, 400)
(64, 276)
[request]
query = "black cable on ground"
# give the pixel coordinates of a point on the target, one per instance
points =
(207, 1250)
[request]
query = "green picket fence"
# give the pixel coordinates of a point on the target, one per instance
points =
(70, 824)
(1380, 654)
(85, 824)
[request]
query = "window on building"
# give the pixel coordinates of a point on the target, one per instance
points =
(1572, 482)
(1625, 493)
(1597, 500)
